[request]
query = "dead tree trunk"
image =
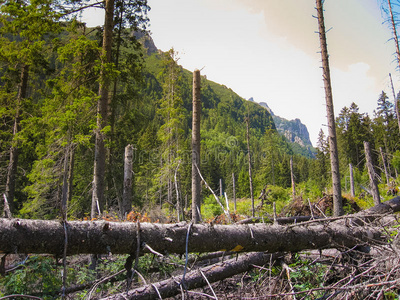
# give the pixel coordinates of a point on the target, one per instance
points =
(395, 37)
(127, 192)
(396, 102)
(196, 278)
(384, 166)
(102, 112)
(6, 211)
(178, 203)
(234, 191)
(196, 183)
(371, 174)
(65, 188)
(250, 174)
(292, 178)
(13, 162)
(352, 191)
(337, 193)
(99, 237)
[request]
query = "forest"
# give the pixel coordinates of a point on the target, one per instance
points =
(97, 171)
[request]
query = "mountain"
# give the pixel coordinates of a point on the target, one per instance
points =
(294, 131)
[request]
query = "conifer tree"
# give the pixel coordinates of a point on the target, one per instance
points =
(24, 26)
(172, 113)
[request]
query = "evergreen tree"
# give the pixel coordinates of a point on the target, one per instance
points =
(24, 28)
(384, 125)
(353, 129)
(67, 118)
(172, 114)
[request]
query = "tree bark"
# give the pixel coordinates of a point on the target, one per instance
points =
(384, 166)
(371, 174)
(100, 237)
(127, 192)
(196, 183)
(178, 202)
(292, 178)
(65, 187)
(102, 112)
(195, 279)
(396, 39)
(337, 193)
(234, 191)
(396, 102)
(352, 190)
(250, 175)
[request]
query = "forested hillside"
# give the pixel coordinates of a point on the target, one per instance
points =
(53, 125)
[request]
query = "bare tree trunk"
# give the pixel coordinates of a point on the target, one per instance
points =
(292, 178)
(102, 112)
(99, 237)
(384, 166)
(337, 193)
(6, 211)
(178, 203)
(234, 191)
(13, 162)
(197, 278)
(64, 198)
(196, 183)
(371, 174)
(352, 191)
(127, 192)
(395, 37)
(221, 193)
(396, 102)
(250, 175)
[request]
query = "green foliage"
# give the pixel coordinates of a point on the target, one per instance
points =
(37, 275)
(306, 275)
(210, 208)
(396, 160)
(309, 189)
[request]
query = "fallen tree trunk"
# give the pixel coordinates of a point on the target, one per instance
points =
(196, 278)
(99, 237)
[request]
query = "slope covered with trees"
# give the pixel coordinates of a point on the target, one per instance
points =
(149, 106)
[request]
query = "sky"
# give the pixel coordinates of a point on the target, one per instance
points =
(269, 50)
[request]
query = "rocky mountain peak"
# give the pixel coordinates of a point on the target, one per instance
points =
(294, 130)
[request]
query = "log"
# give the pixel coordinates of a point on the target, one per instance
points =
(100, 237)
(195, 279)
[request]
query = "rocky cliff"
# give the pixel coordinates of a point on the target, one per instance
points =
(294, 131)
